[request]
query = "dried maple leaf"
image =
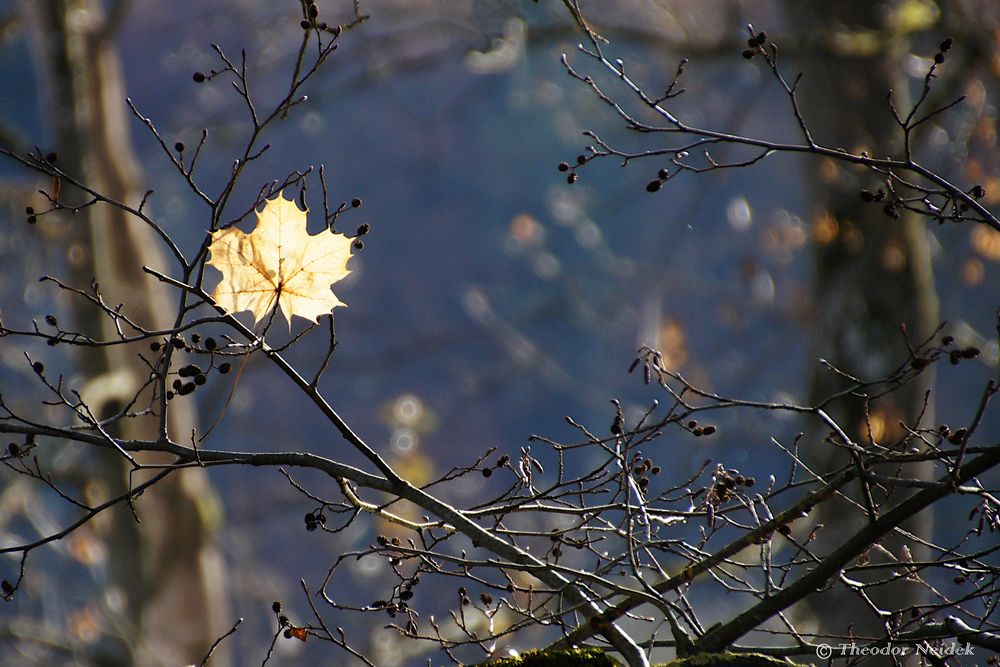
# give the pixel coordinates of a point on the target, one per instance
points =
(279, 262)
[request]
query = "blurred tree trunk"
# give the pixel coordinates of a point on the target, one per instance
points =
(872, 273)
(167, 569)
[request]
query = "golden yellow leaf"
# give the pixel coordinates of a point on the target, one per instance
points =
(279, 262)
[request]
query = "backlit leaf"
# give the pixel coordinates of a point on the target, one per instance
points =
(279, 263)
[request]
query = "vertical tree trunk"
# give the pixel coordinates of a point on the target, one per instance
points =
(167, 569)
(872, 275)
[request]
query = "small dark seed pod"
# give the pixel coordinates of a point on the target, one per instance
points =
(189, 370)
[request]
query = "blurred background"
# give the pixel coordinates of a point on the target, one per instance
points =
(491, 298)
